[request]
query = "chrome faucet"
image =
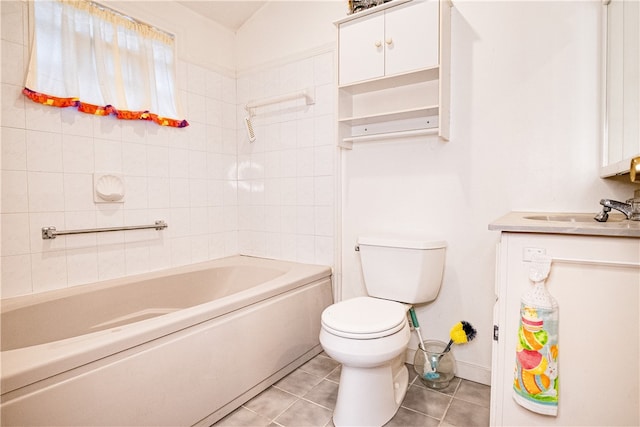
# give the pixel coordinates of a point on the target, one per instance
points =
(630, 209)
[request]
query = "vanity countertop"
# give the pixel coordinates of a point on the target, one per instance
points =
(562, 223)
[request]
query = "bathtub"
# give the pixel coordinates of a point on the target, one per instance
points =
(184, 346)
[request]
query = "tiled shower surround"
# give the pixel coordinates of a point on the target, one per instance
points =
(219, 194)
(285, 177)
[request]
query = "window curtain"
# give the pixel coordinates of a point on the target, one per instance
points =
(101, 62)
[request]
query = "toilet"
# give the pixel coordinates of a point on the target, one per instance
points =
(369, 335)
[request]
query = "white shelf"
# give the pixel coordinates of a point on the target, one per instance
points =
(411, 113)
(348, 142)
(388, 82)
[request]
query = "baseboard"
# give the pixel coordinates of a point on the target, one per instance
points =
(466, 370)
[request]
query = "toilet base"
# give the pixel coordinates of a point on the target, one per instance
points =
(370, 396)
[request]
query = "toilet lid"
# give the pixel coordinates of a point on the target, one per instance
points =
(364, 318)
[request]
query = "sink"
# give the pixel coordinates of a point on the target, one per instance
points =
(574, 217)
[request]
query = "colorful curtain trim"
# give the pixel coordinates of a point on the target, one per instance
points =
(97, 110)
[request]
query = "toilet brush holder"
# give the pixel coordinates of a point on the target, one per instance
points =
(434, 368)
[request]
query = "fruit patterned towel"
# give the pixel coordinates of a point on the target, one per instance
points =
(535, 382)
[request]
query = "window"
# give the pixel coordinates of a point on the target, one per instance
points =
(102, 62)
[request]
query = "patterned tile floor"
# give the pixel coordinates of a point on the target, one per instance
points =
(307, 396)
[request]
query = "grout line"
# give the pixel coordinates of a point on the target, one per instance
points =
(285, 409)
(317, 404)
(248, 409)
(444, 414)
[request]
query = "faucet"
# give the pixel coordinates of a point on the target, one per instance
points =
(630, 209)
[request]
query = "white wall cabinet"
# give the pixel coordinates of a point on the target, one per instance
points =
(393, 71)
(393, 41)
(621, 34)
(596, 281)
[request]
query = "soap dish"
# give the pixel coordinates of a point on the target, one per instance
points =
(108, 188)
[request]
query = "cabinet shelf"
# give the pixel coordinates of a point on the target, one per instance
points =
(411, 113)
(388, 82)
(348, 141)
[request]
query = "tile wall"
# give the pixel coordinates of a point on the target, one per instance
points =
(220, 194)
(286, 177)
(183, 176)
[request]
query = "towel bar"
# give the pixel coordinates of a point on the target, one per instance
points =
(307, 94)
(51, 232)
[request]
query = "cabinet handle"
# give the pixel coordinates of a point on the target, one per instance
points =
(389, 41)
(378, 43)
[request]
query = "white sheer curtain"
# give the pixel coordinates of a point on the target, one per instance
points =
(89, 56)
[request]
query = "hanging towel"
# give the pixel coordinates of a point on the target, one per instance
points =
(535, 382)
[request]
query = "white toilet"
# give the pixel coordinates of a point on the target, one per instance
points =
(369, 335)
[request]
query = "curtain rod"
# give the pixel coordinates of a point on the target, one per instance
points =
(129, 18)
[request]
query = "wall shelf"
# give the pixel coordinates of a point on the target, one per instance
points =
(410, 113)
(382, 83)
(348, 142)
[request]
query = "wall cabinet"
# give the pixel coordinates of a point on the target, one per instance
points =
(394, 41)
(393, 71)
(596, 281)
(621, 36)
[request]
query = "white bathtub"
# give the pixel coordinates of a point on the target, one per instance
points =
(179, 347)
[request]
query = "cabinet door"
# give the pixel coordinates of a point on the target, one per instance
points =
(622, 86)
(411, 36)
(361, 49)
(595, 281)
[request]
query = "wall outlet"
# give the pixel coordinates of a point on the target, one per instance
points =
(528, 253)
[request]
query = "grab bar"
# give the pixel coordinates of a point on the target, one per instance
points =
(51, 232)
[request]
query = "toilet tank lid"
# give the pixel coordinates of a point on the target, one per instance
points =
(407, 242)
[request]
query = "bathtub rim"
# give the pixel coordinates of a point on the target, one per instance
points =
(24, 366)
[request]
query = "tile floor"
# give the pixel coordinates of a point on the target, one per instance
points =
(307, 396)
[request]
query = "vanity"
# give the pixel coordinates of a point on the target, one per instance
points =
(595, 278)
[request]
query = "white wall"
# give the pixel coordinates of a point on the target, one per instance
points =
(281, 29)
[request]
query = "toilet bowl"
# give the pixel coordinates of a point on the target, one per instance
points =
(369, 335)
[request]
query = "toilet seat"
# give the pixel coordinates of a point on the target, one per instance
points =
(364, 318)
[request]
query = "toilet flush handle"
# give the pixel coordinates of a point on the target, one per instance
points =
(357, 248)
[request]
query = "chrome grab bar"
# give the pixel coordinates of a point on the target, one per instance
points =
(51, 232)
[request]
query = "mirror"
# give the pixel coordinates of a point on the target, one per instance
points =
(621, 21)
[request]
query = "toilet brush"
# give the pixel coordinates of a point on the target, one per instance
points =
(416, 326)
(462, 332)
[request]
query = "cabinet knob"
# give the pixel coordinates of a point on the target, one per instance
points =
(378, 43)
(389, 41)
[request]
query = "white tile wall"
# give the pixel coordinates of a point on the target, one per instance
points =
(286, 177)
(219, 194)
(49, 155)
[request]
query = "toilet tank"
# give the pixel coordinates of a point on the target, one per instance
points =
(408, 270)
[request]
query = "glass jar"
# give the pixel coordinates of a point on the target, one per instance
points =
(434, 368)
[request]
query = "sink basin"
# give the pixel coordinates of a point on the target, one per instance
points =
(574, 217)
